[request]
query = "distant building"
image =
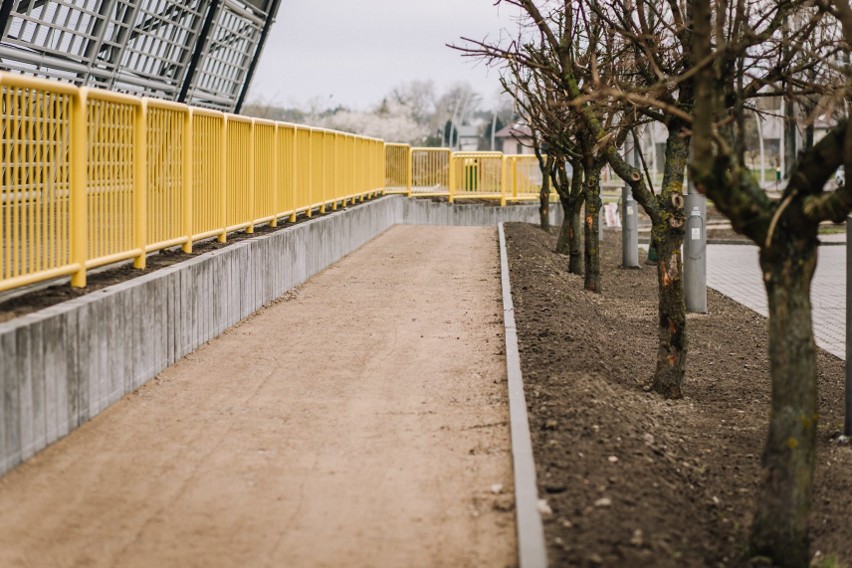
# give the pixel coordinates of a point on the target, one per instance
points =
(468, 138)
(515, 139)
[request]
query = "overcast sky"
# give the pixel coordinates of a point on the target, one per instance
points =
(352, 52)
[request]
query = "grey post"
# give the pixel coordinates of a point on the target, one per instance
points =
(630, 225)
(847, 426)
(695, 252)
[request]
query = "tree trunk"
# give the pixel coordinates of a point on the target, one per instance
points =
(544, 196)
(672, 346)
(544, 211)
(592, 257)
(667, 234)
(780, 527)
(562, 242)
(570, 240)
(575, 241)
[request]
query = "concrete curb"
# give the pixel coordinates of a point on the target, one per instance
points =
(532, 551)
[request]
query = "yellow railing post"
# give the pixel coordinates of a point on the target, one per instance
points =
(78, 205)
(323, 168)
(293, 177)
(515, 179)
(188, 149)
(223, 165)
(409, 171)
(252, 190)
(140, 183)
(504, 181)
(309, 163)
(276, 178)
(452, 183)
(334, 166)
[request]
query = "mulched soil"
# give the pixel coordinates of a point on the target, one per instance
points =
(634, 480)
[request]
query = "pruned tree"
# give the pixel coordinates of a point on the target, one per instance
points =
(571, 193)
(554, 124)
(555, 53)
(741, 50)
(602, 56)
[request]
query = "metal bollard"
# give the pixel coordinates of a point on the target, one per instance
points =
(695, 254)
(629, 230)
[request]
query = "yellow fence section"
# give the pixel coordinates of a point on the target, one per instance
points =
(523, 177)
(43, 228)
(397, 168)
(167, 172)
(440, 172)
(207, 173)
(430, 172)
(477, 175)
(91, 177)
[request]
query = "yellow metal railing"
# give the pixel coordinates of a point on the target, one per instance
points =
(398, 168)
(439, 172)
(91, 177)
(523, 177)
(430, 172)
(477, 175)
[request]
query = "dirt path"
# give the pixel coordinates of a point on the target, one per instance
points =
(360, 422)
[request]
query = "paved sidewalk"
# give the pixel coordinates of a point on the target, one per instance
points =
(360, 421)
(734, 271)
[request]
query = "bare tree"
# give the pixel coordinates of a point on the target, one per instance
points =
(596, 71)
(738, 53)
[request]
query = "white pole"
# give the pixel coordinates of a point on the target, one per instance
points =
(759, 120)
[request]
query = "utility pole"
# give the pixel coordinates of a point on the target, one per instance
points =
(695, 250)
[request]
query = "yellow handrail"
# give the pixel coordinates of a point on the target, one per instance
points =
(91, 177)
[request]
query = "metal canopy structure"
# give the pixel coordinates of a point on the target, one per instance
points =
(201, 52)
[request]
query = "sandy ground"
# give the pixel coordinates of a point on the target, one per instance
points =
(360, 421)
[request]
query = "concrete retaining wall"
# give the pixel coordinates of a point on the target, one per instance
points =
(63, 365)
(426, 212)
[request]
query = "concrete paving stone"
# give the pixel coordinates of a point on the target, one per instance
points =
(734, 271)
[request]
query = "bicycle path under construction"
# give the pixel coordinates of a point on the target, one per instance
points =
(361, 420)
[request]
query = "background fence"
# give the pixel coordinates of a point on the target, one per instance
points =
(439, 172)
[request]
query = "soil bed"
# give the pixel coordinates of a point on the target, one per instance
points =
(633, 480)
